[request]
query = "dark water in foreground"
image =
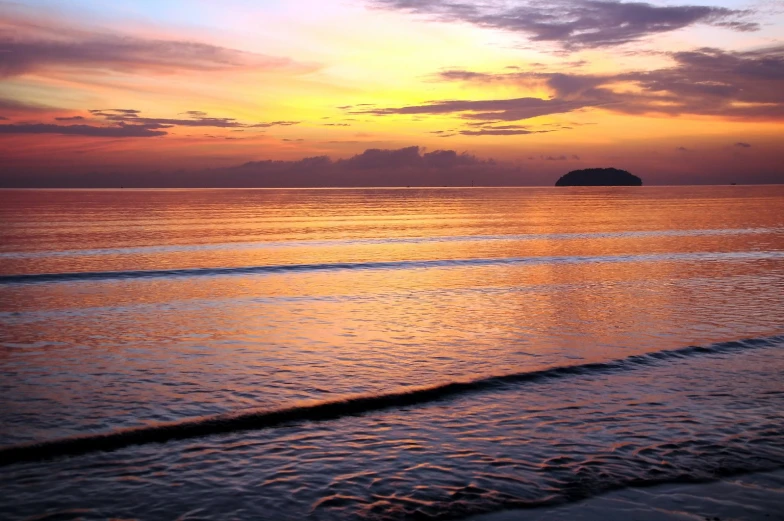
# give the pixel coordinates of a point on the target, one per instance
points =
(383, 354)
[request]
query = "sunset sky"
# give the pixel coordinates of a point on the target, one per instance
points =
(258, 92)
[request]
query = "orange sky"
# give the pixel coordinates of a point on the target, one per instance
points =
(181, 93)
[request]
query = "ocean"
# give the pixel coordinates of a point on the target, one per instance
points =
(383, 354)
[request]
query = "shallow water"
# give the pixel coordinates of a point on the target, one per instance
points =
(383, 354)
(749, 497)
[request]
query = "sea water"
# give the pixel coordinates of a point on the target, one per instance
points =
(383, 354)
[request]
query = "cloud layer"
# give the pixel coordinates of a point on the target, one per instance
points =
(703, 82)
(408, 166)
(412, 166)
(576, 24)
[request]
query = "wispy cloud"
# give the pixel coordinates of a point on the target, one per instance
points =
(577, 24)
(131, 123)
(498, 110)
(197, 118)
(133, 116)
(29, 45)
(12, 106)
(83, 130)
(498, 131)
(274, 124)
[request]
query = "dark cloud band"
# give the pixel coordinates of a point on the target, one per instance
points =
(130, 123)
(500, 110)
(83, 130)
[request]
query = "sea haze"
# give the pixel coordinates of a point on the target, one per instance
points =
(383, 354)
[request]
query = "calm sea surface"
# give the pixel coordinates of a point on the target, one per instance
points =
(382, 354)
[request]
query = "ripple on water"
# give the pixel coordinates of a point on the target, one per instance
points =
(515, 447)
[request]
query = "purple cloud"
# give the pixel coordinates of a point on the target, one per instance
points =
(491, 131)
(197, 118)
(15, 106)
(409, 157)
(29, 45)
(500, 110)
(274, 124)
(576, 24)
(123, 123)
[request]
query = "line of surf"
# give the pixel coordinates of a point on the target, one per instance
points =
(139, 250)
(352, 406)
(383, 265)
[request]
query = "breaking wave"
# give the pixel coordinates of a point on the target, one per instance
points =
(330, 410)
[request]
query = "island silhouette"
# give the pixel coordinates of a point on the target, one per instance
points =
(599, 177)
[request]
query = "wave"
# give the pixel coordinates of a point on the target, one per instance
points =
(330, 410)
(146, 250)
(383, 265)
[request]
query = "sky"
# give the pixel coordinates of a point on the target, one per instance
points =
(388, 92)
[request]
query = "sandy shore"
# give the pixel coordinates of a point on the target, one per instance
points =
(754, 497)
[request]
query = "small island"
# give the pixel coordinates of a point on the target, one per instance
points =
(599, 177)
